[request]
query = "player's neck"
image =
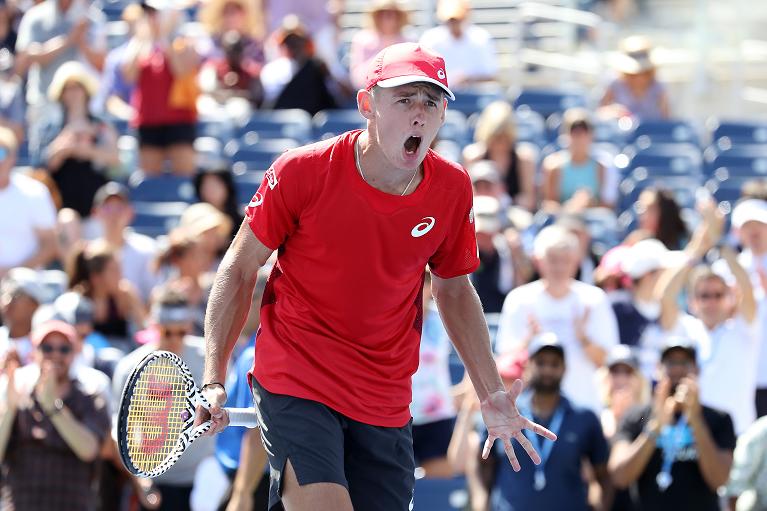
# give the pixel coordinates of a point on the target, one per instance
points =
(378, 173)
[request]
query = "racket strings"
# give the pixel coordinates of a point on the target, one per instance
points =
(154, 421)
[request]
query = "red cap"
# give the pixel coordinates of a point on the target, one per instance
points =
(41, 332)
(404, 63)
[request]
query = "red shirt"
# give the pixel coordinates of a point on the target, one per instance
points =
(341, 313)
(152, 92)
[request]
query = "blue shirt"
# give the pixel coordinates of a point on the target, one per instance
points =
(580, 436)
(239, 395)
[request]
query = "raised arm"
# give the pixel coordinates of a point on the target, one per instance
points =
(747, 303)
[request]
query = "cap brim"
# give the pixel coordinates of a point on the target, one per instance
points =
(404, 80)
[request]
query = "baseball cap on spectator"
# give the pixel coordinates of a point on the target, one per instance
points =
(677, 342)
(452, 10)
(650, 255)
(403, 63)
(545, 341)
(111, 189)
(621, 354)
(484, 170)
(202, 217)
(487, 212)
(611, 264)
(23, 281)
(53, 326)
(750, 210)
(74, 308)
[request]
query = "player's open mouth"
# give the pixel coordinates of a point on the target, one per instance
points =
(412, 144)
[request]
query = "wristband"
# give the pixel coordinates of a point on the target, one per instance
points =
(214, 383)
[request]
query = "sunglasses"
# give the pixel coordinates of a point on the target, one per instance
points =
(64, 349)
(710, 296)
(174, 333)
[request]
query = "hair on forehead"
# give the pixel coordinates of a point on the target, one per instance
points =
(554, 237)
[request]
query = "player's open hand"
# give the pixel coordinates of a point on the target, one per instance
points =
(216, 414)
(504, 422)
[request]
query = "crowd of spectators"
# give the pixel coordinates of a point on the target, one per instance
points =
(647, 355)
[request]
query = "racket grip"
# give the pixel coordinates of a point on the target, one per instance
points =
(245, 417)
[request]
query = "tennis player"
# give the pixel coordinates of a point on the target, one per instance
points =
(355, 220)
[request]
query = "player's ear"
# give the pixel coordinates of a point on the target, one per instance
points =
(365, 103)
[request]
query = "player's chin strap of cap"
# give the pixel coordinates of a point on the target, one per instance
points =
(165, 314)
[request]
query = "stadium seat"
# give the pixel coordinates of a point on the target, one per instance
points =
(739, 132)
(449, 150)
(329, 123)
(246, 184)
(684, 189)
(470, 102)
(739, 161)
(455, 365)
(603, 228)
(221, 129)
(678, 159)
(260, 155)
(270, 124)
(727, 192)
(455, 128)
(530, 126)
(663, 132)
(157, 218)
(163, 188)
(440, 494)
(549, 101)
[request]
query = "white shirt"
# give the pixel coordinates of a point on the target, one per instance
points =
(654, 339)
(136, 258)
(432, 399)
(727, 360)
(558, 316)
(22, 345)
(751, 263)
(25, 207)
(275, 75)
(470, 56)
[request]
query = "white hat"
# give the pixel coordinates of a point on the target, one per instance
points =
(487, 212)
(649, 255)
(750, 210)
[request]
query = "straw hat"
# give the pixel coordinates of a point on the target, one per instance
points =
(202, 217)
(68, 72)
(387, 5)
(211, 15)
(452, 10)
(635, 56)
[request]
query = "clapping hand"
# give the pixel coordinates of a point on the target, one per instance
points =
(504, 422)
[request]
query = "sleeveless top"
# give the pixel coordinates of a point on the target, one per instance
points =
(114, 325)
(511, 179)
(644, 108)
(574, 177)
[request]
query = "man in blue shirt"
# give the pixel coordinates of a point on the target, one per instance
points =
(557, 483)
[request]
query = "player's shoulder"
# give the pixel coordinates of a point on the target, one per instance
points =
(310, 158)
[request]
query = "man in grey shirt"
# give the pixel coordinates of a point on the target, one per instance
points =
(172, 318)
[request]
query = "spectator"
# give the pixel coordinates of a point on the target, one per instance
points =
(486, 181)
(185, 264)
(210, 227)
(747, 487)
(20, 296)
(469, 50)
(495, 139)
(503, 263)
(386, 20)
(579, 314)
(172, 318)
(216, 187)
(728, 353)
(588, 259)
(51, 33)
(622, 387)
(27, 215)
(77, 148)
(51, 429)
(297, 78)
(114, 212)
(749, 220)
(163, 68)
(660, 215)
(675, 452)
(573, 178)
(558, 478)
(94, 272)
(639, 313)
(11, 95)
(233, 74)
(115, 92)
(432, 406)
(636, 92)
(244, 18)
(8, 27)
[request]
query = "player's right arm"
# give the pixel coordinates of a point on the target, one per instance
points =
(228, 308)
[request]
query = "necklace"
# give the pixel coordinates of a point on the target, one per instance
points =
(362, 174)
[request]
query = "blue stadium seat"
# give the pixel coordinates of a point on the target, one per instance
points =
(456, 368)
(739, 132)
(455, 128)
(530, 126)
(440, 494)
(247, 183)
(222, 129)
(329, 123)
(258, 156)
(727, 191)
(550, 101)
(603, 227)
(268, 124)
(156, 218)
(741, 160)
(678, 159)
(663, 132)
(684, 189)
(163, 188)
(470, 102)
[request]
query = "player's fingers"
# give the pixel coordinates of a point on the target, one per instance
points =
(201, 415)
(511, 454)
(528, 447)
(516, 389)
(540, 430)
(488, 445)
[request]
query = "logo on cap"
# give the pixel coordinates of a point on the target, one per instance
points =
(441, 74)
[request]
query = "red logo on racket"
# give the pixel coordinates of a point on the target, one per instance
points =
(159, 417)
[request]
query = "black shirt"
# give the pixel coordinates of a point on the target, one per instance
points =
(688, 489)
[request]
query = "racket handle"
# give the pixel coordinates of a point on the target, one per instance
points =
(245, 417)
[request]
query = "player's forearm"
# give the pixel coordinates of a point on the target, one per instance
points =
(462, 315)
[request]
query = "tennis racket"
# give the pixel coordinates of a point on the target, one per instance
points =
(156, 416)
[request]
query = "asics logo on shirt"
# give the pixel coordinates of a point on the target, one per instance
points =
(257, 200)
(423, 227)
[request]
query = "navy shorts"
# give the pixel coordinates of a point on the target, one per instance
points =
(375, 464)
(167, 135)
